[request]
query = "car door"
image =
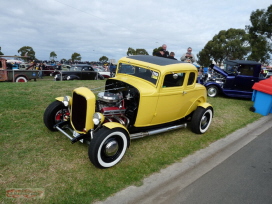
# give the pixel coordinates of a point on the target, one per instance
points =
(245, 78)
(175, 97)
(88, 73)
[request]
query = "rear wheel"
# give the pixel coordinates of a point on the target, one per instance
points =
(55, 113)
(108, 147)
(21, 79)
(212, 91)
(201, 120)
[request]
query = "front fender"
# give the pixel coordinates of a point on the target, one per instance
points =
(213, 83)
(61, 99)
(112, 125)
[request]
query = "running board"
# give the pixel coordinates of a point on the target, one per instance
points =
(157, 131)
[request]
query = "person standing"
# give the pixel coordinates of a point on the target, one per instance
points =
(112, 70)
(172, 56)
(188, 56)
(42, 67)
(163, 52)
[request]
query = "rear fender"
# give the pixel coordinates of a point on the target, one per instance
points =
(201, 101)
(205, 105)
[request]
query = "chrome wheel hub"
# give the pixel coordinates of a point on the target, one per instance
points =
(212, 92)
(204, 121)
(111, 148)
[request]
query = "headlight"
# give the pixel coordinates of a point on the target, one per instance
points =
(66, 100)
(98, 118)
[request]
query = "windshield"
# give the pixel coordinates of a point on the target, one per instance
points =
(230, 68)
(143, 73)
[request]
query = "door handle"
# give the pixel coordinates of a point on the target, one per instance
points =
(184, 92)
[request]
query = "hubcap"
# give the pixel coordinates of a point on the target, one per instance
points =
(212, 91)
(111, 148)
(204, 121)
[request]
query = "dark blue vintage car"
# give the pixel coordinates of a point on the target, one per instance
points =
(235, 80)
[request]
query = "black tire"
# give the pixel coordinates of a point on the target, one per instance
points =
(108, 147)
(252, 109)
(212, 91)
(201, 120)
(21, 79)
(54, 114)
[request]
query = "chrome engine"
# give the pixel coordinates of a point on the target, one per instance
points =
(112, 106)
(111, 103)
(214, 76)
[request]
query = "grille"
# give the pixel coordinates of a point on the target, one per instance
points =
(79, 110)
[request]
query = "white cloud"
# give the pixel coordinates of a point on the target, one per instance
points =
(108, 27)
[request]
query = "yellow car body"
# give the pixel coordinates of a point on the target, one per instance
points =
(159, 104)
(148, 95)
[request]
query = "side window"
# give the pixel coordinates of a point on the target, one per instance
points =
(246, 70)
(0, 64)
(191, 79)
(170, 81)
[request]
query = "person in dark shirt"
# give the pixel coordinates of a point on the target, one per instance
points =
(172, 56)
(112, 70)
(163, 52)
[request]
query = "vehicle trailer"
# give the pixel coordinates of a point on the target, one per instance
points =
(10, 75)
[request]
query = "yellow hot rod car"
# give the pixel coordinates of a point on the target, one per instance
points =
(148, 95)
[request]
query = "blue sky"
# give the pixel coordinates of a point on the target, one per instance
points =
(108, 27)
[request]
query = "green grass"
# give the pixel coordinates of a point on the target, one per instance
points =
(33, 157)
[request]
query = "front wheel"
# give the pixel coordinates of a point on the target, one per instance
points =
(201, 120)
(108, 147)
(56, 112)
(212, 91)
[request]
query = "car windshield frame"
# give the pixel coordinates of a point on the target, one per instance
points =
(138, 71)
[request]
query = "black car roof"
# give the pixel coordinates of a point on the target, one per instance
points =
(81, 65)
(155, 60)
(235, 62)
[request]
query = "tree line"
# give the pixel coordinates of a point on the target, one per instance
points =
(251, 43)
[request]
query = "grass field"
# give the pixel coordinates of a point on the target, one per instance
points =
(33, 157)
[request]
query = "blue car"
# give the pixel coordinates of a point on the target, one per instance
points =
(235, 80)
